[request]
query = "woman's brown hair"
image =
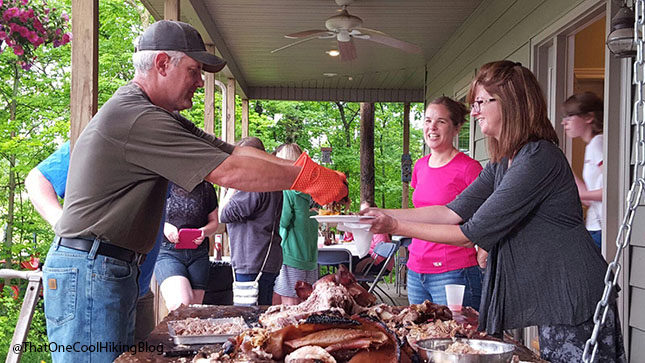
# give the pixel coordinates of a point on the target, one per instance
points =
(524, 115)
(456, 109)
(586, 103)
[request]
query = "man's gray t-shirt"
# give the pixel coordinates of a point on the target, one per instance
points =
(120, 167)
(543, 267)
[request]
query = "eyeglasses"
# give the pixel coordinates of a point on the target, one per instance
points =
(476, 106)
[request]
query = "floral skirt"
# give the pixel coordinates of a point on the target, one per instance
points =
(566, 343)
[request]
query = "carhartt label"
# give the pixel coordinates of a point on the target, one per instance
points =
(437, 264)
(52, 284)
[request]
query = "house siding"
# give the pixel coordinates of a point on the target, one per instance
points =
(498, 29)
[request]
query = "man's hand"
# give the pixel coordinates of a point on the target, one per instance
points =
(323, 184)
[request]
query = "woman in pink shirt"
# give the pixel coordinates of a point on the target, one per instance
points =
(437, 179)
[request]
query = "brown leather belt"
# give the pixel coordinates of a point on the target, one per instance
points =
(105, 249)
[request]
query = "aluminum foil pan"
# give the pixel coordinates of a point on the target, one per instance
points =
(434, 350)
(204, 339)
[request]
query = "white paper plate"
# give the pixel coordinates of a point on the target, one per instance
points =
(340, 219)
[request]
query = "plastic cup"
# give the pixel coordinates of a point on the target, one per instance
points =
(455, 296)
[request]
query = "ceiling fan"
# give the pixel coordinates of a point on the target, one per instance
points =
(345, 27)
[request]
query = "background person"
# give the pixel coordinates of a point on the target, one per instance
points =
(253, 224)
(437, 179)
(543, 268)
(183, 273)
(584, 119)
(45, 184)
(299, 235)
(117, 182)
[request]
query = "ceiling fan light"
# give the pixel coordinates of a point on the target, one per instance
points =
(333, 52)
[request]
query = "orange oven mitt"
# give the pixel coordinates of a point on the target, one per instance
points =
(323, 184)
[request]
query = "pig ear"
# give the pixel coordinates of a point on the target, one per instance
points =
(303, 289)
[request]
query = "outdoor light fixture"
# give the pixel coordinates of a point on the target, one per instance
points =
(621, 38)
(333, 52)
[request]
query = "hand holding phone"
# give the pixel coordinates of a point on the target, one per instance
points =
(186, 238)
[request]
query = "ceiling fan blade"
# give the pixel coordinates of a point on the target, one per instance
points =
(347, 51)
(382, 38)
(307, 33)
(294, 43)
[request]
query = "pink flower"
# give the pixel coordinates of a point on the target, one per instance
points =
(10, 13)
(32, 37)
(26, 66)
(17, 50)
(24, 15)
(3, 35)
(66, 38)
(24, 2)
(0, 2)
(39, 26)
(14, 28)
(30, 13)
(64, 16)
(23, 31)
(58, 31)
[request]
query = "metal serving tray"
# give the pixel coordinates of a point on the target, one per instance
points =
(204, 339)
(433, 350)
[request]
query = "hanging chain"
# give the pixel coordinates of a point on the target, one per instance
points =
(635, 191)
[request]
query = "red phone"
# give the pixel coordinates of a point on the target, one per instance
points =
(186, 238)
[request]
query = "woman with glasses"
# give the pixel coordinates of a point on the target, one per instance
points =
(584, 119)
(543, 267)
(437, 179)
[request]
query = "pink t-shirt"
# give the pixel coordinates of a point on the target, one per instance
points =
(439, 186)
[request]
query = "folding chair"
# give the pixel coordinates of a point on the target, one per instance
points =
(334, 257)
(401, 264)
(386, 250)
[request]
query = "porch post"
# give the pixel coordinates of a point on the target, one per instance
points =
(405, 193)
(245, 117)
(85, 64)
(367, 152)
(171, 10)
(209, 97)
(230, 111)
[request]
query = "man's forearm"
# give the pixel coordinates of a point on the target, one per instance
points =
(254, 174)
(256, 153)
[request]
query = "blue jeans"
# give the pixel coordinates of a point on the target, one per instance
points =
(597, 237)
(90, 304)
(431, 287)
(266, 283)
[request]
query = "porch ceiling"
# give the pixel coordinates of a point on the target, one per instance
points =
(244, 32)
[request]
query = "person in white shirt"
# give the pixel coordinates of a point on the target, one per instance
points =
(584, 119)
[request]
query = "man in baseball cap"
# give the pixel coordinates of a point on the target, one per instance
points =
(116, 186)
(182, 37)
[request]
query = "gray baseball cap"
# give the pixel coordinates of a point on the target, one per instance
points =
(182, 37)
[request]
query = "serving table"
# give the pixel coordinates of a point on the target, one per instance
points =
(160, 336)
